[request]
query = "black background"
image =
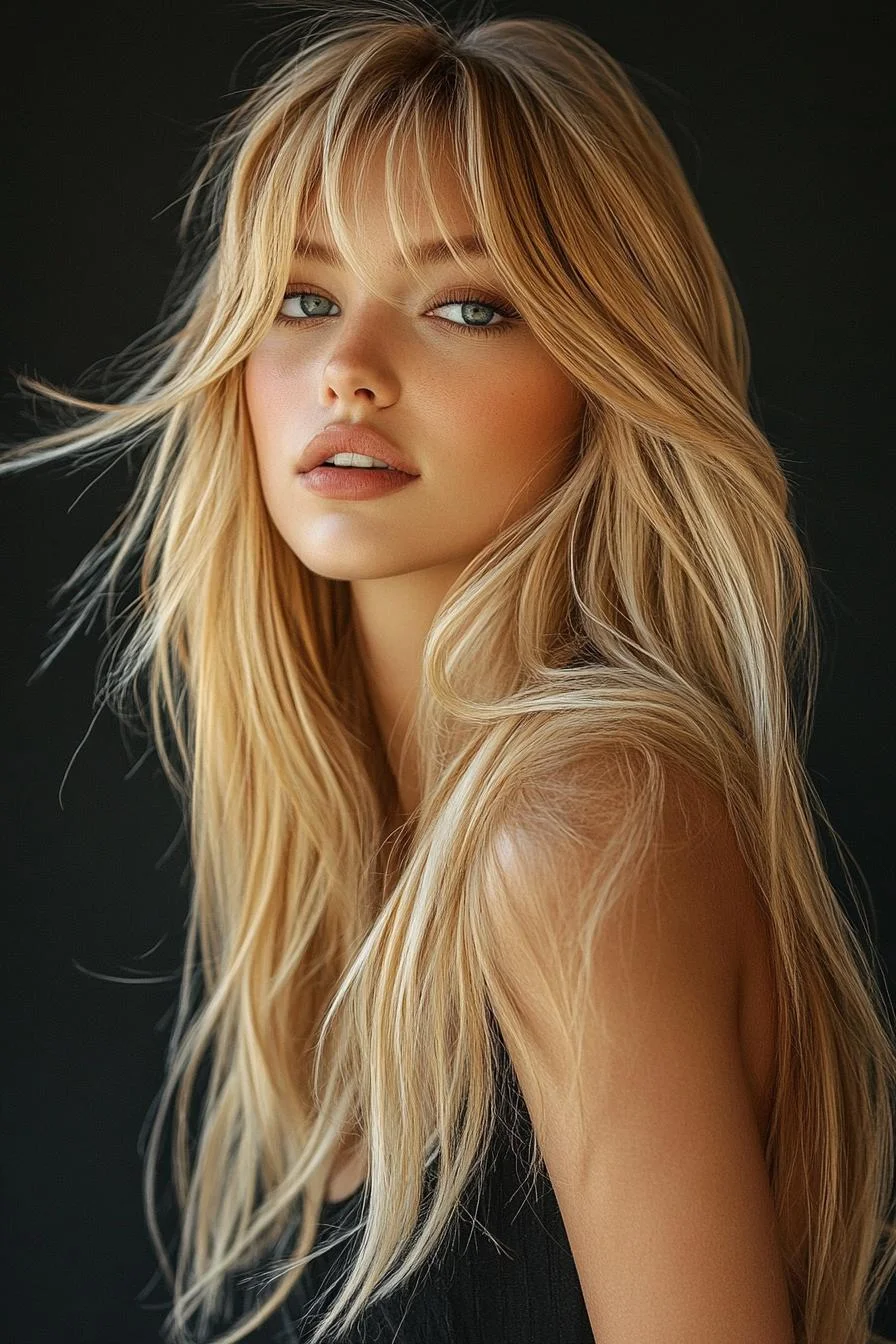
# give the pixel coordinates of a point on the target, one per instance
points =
(781, 117)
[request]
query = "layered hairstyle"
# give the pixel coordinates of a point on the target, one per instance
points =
(655, 610)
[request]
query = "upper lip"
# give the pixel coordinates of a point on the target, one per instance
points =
(344, 437)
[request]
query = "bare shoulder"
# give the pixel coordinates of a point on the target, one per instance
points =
(665, 1148)
(690, 880)
(694, 883)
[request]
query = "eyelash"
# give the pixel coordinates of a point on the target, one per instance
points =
(509, 314)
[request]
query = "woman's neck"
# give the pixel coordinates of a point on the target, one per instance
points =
(392, 617)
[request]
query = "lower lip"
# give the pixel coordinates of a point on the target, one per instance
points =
(354, 482)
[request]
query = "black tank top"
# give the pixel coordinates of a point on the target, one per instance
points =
(526, 1290)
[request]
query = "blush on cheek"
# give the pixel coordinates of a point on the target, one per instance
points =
(274, 401)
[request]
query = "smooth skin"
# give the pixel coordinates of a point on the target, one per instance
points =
(660, 1176)
(488, 418)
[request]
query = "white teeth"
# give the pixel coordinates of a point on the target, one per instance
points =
(356, 460)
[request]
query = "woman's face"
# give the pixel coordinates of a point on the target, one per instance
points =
(487, 419)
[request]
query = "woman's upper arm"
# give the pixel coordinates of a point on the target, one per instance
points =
(661, 1181)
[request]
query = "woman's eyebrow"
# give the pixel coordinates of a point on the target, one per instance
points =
(427, 253)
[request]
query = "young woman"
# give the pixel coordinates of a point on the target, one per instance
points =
(486, 731)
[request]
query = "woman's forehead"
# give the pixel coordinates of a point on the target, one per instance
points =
(418, 178)
(430, 236)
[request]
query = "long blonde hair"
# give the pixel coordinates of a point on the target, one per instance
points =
(656, 604)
